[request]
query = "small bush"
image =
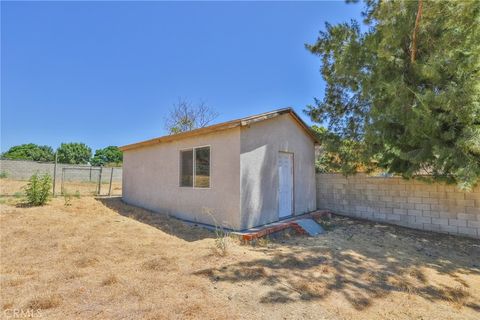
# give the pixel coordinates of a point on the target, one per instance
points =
(3, 175)
(221, 241)
(222, 236)
(38, 189)
(67, 198)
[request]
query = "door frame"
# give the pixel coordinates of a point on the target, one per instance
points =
(293, 187)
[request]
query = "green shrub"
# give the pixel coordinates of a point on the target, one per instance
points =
(18, 194)
(38, 189)
(3, 175)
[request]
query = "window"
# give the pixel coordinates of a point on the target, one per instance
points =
(186, 168)
(202, 167)
(195, 167)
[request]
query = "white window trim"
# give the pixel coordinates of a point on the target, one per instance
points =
(194, 169)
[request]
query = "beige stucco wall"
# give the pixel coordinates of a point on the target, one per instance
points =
(260, 145)
(151, 179)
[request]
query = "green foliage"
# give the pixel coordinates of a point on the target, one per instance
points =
(339, 155)
(3, 175)
(67, 197)
(107, 156)
(412, 116)
(74, 153)
(30, 151)
(18, 194)
(38, 189)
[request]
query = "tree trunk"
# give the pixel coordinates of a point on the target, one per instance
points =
(413, 53)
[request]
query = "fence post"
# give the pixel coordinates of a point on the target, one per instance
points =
(55, 173)
(110, 187)
(63, 179)
(100, 181)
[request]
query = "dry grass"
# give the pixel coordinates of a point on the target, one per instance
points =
(458, 296)
(44, 302)
(106, 260)
(15, 188)
(110, 280)
(160, 264)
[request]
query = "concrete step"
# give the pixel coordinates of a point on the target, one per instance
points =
(309, 226)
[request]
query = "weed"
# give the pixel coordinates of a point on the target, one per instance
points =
(221, 241)
(326, 223)
(222, 237)
(3, 175)
(67, 199)
(38, 189)
(263, 242)
(18, 194)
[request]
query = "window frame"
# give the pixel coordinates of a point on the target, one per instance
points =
(194, 167)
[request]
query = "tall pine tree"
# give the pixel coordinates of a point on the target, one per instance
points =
(408, 88)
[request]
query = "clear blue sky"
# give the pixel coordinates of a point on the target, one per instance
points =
(107, 73)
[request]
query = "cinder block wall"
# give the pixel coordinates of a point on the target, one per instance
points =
(23, 170)
(410, 203)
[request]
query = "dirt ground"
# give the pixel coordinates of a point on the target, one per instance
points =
(103, 259)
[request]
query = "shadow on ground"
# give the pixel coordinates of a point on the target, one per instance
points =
(160, 221)
(362, 261)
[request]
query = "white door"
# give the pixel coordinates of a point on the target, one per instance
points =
(285, 184)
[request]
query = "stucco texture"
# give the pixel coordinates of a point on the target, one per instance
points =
(260, 144)
(151, 180)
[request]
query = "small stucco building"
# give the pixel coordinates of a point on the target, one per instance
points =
(239, 174)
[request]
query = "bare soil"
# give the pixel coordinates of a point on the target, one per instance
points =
(103, 259)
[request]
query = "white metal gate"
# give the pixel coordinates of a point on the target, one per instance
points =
(285, 184)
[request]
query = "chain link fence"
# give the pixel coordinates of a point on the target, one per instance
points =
(83, 180)
(97, 181)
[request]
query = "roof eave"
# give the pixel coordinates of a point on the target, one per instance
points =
(225, 126)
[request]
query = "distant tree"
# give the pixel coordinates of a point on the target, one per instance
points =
(30, 151)
(74, 153)
(110, 155)
(406, 87)
(185, 116)
(339, 155)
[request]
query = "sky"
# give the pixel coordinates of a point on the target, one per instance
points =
(107, 73)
